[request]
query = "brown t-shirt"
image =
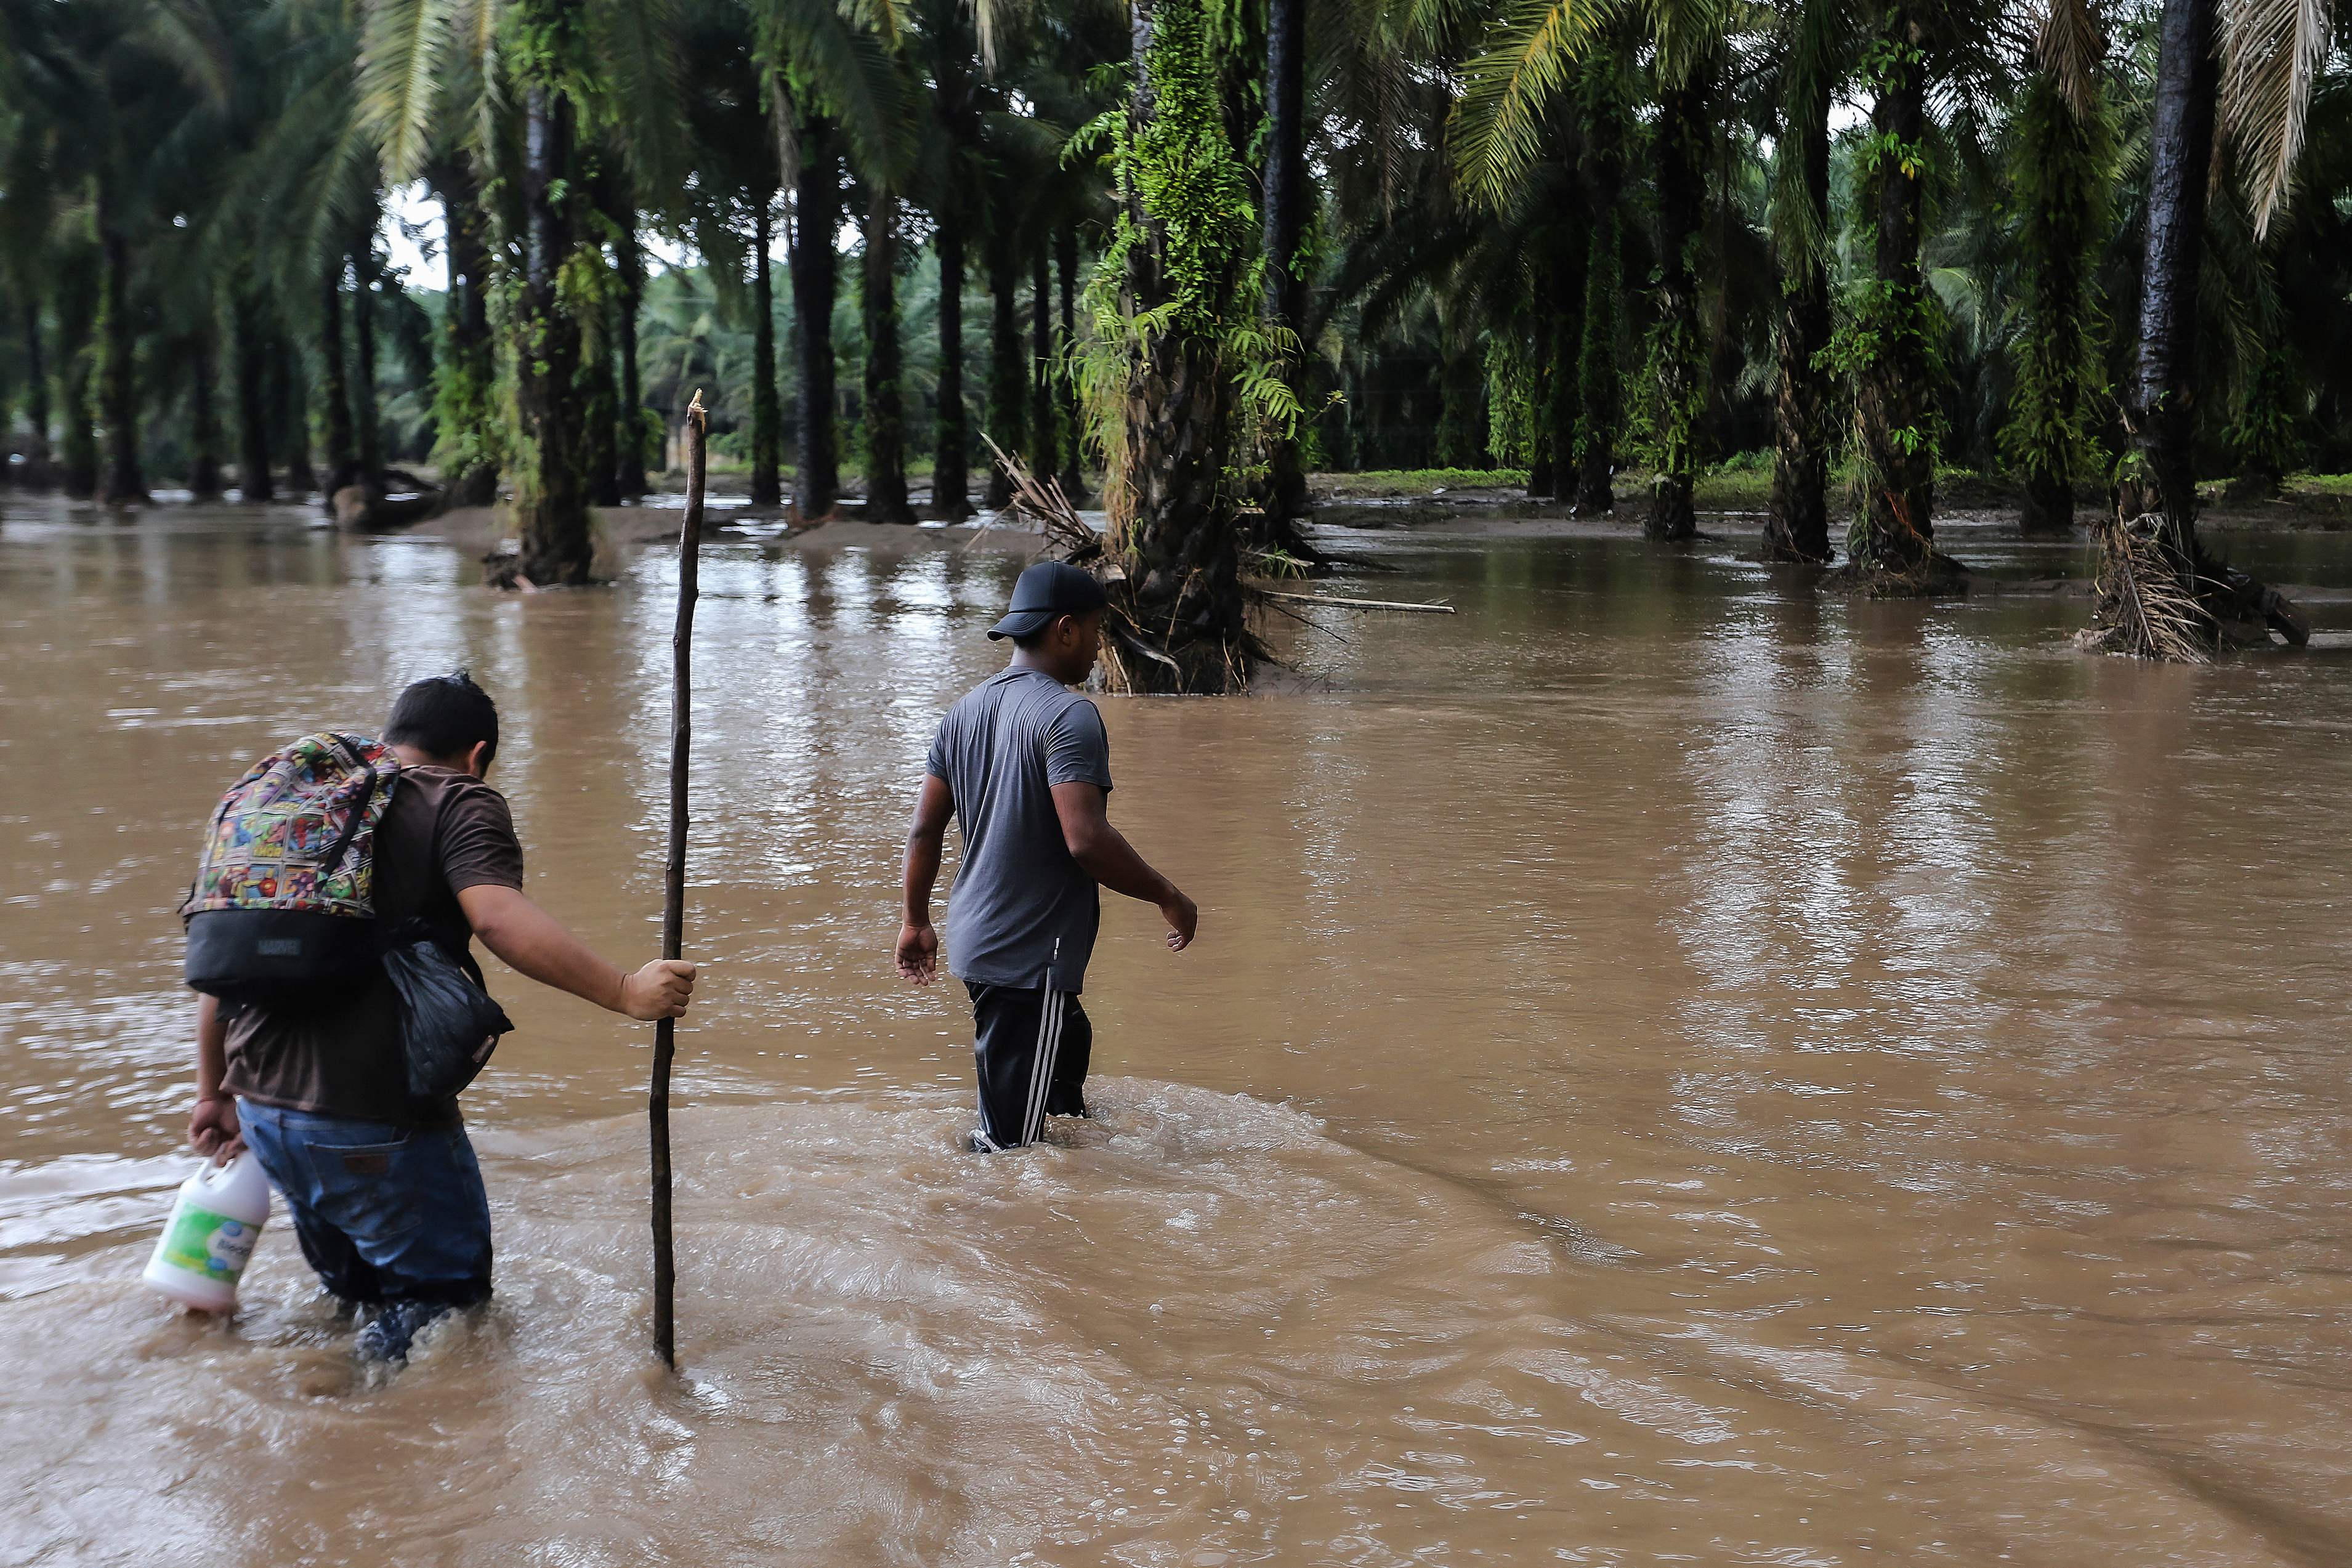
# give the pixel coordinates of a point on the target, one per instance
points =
(442, 832)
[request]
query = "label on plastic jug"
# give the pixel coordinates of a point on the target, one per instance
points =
(212, 1245)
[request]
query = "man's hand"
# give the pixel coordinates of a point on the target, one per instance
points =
(659, 990)
(1183, 918)
(918, 953)
(213, 1130)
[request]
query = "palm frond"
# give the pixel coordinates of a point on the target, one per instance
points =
(403, 44)
(1499, 123)
(835, 65)
(636, 50)
(992, 20)
(2271, 53)
(2072, 46)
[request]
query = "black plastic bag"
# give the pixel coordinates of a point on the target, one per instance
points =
(448, 1024)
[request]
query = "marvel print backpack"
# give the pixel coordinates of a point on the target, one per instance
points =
(284, 901)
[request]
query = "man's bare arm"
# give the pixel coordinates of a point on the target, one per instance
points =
(919, 945)
(1111, 860)
(213, 1130)
(534, 944)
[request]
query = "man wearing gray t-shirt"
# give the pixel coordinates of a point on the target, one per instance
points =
(1023, 763)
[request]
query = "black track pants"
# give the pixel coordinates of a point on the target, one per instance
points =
(1031, 1045)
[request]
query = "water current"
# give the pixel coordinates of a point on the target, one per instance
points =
(1675, 1068)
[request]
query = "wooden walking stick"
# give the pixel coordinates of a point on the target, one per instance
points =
(681, 693)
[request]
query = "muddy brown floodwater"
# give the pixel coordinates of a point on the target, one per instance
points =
(1674, 1069)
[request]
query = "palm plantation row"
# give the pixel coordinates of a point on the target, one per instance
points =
(1214, 243)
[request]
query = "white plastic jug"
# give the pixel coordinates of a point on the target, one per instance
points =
(205, 1246)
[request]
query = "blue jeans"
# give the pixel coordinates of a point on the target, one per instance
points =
(391, 1217)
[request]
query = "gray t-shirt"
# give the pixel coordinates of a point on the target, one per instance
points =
(1022, 911)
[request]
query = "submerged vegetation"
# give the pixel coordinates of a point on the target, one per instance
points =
(1593, 251)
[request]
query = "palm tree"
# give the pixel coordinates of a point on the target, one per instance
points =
(1287, 203)
(950, 172)
(886, 412)
(1796, 524)
(1167, 388)
(816, 268)
(2274, 47)
(1506, 118)
(430, 66)
(2248, 67)
(1892, 539)
(2062, 162)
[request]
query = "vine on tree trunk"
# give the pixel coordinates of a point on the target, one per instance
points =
(1181, 375)
(2062, 166)
(1887, 345)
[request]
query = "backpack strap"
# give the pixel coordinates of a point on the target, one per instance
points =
(359, 812)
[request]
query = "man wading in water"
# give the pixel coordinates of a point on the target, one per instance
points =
(1023, 763)
(384, 1192)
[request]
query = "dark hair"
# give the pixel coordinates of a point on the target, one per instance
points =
(444, 716)
(1033, 640)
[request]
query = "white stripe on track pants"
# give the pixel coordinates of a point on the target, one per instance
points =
(1031, 1045)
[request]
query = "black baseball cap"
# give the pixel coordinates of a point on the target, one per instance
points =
(1048, 589)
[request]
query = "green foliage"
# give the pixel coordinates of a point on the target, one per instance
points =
(1179, 168)
(465, 413)
(1664, 431)
(2265, 438)
(1515, 402)
(1189, 220)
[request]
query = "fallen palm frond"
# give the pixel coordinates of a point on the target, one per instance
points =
(2149, 605)
(1067, 534)
(1433, 609)
(1223, 666)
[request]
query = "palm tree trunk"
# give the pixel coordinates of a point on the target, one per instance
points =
(367, 429)
(1006, 384)
(630, 477)
(76, 308)
(767, 418)
(1461, 413)
(38, 474)
(951, 463)
(1287, 202)
(204, 418)
(1892, 391)
(2061, 172)
(816, 281)
(465, 404)
(550, 499)
(1045, 455)
(343, 457)
(1797, 523)
(249, 356)
(1682, 132)
(2163, 387)
(1598, 394)
(885, 409)
(1066, 260)
(600, 403)
(118, 383)
(289, 414)
(1566, 337)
